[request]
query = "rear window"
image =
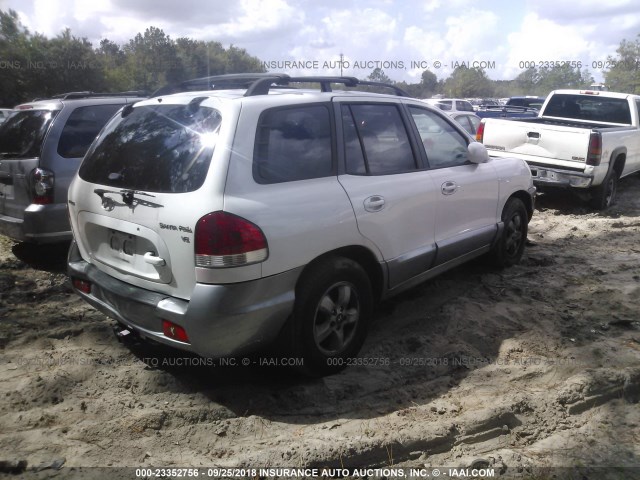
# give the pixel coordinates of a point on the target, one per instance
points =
(82, 127)
(22, 134)
(156, 148)
(591, 108)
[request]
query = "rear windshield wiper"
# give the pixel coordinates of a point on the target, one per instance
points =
(128, 196)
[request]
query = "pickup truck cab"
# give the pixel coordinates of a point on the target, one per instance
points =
(583, 139)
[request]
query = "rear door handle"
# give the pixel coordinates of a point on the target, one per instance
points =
(375, 203)
(449, 188)
(152, 259)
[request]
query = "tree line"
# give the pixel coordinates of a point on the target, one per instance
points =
(32, 65)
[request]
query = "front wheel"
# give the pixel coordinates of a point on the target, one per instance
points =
(332, 308)
(510, 246)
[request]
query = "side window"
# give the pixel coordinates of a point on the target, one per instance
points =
(443, 144)
(293, 144)
(376, 140)
(638, 107)
(82, 127)
(463, 120)
(464, 106)
(475, 123)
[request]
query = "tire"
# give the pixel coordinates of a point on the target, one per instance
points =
(333, 306)
(605, 195)
(510, 246)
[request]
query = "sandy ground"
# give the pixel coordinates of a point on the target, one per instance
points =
(531, 367)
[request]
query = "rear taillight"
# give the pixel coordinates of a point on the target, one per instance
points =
(480, 132)
(81, 285)
(226, 240)
(174, 331)
(594, 154)
(42, 183)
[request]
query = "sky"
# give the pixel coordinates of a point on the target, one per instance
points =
(403, 38)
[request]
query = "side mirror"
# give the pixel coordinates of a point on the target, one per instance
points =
(478, 153)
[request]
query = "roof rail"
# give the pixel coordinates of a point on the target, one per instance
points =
(87, 94)
(261, 83)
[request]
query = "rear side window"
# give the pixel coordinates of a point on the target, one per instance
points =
(293, 144)
(21, 136)
(464, 106)
(469, 123)
(82, 127)
(376, 140)
(156, 148)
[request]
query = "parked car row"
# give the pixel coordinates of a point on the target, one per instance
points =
(234, 212)
(469, 112)
(226, 213)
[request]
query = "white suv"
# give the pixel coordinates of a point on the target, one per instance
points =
(217, 221)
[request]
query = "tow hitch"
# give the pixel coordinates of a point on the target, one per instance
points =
(125, 335)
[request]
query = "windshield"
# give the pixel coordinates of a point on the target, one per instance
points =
(22, 134)
(157, 148)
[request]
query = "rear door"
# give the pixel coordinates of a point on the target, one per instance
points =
(392, 195)
(137, 199)
(21, 141)
(467, 193)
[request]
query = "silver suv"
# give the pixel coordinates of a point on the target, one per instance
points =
(217, 221)
(41, 146)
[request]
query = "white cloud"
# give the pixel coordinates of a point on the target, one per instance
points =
(540, 40)
(431, 6)
(363, 30)
(465, 42)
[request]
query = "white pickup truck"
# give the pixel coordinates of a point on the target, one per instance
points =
(582, 139)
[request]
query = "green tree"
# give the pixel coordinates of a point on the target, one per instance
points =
(558, 76)
(112, 60)
(624, 76)
(526, 83)
(378, 75)
(239, 61)
(151, 60)
(467, 82)
(14, 55)
(429, 82)
(72, 65)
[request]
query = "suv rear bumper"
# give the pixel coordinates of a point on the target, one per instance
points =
(220, 320)
(41, 224)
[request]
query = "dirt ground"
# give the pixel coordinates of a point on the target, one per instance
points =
(535, 366)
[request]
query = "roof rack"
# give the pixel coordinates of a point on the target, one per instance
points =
(87, 94)
(261, 83)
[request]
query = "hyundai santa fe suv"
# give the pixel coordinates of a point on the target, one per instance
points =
(41, 146)
(217, 221)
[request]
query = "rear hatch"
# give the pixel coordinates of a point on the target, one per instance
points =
(21, 140)
(135, 201)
